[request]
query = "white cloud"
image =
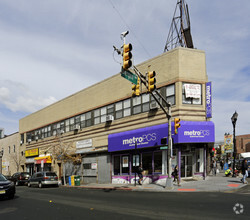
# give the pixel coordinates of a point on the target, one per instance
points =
(17, 97)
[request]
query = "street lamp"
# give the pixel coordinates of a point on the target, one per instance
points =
(234, 119)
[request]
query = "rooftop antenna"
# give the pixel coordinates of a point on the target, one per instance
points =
(179, 34)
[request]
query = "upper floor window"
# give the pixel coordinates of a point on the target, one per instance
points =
(191, 93)
(170, 94)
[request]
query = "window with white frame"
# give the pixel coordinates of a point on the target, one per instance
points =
(136, 105)
(170, 94)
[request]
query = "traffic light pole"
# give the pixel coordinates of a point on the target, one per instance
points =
(169, 182)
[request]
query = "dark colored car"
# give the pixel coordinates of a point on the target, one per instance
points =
(7, 188)
(20, 178)
(45, 178)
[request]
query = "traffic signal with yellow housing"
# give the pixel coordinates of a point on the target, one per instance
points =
(176, 125)
(136, 88)
(151, 81)
(127, 56)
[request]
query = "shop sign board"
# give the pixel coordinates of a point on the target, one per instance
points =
(84, 143)
(189, 132)
(32, 152)
(209, 100)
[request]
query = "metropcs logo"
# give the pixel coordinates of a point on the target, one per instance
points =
(144, 139)
(193, 133)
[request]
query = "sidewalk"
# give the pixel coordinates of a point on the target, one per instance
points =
(218, 183)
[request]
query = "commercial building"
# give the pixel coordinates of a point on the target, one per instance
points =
(103, 124)
(9, 147)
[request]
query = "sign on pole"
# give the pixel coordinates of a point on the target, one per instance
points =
(129, 76)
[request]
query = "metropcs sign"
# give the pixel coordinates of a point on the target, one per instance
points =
(193, 133)
(144, 139)
(189, 132)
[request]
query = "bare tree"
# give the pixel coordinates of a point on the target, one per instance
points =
(64, 151)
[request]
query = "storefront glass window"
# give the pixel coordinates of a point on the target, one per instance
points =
(125, 165)
(158, 162)
(147, 163)
(117, 163)
(136, 162)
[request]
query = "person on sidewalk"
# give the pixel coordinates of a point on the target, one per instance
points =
(139, 172)
(244, 170)
(214, 167)
(176, 175)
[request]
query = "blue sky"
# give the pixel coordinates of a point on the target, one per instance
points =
(51, 49)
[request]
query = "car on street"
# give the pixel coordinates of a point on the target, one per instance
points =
(20, 178)
(46, 178)
(7, 188)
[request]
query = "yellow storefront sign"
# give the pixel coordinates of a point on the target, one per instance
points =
(32, 152)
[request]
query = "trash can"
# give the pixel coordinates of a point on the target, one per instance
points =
(77, 180)
(72, 180)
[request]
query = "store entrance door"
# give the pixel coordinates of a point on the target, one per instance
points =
(186, 166)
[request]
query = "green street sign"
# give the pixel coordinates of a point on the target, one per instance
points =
(129, 76)
(164, 148)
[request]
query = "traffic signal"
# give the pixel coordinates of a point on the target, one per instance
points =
(151, 81)
(136, 88)
(127, 56)
(176, 125)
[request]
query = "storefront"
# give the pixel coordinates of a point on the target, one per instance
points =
(43, 163)
(30, 156)
(143, 145)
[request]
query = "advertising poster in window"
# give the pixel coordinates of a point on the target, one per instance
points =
(125, 161)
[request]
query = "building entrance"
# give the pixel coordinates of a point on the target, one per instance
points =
(186, 166)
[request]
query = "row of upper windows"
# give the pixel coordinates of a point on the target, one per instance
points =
(118, 110)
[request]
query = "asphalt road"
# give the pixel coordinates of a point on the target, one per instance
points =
(72, 203)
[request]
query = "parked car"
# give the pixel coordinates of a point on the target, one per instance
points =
(20, 178)
(7, 188)
(45, 178)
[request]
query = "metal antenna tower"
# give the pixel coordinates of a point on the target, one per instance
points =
(179, 34)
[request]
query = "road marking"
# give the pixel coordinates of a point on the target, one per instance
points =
(187, 190)
(233, 185)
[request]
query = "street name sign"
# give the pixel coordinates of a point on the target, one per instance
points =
(129, 76)
(164, 148)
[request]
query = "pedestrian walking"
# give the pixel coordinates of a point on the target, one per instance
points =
(221, 164)
(139, 172)
(214, 167)
(176, 175)
(244, 169)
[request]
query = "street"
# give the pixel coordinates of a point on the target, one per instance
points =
(76, 203)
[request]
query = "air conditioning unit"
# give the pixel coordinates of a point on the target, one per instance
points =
(109, 118)
(29, 140)
(76, 127)
(21, 142)
(36, 138)
(154, 105)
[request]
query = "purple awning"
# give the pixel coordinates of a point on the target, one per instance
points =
(189, 132)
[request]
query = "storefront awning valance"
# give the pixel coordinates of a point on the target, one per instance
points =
(189, 132)
(45, 159)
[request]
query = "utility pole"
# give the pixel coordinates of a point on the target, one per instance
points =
(149, 82)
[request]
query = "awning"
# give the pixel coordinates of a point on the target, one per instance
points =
(45, 159)
(245, 155)
(189, 132)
